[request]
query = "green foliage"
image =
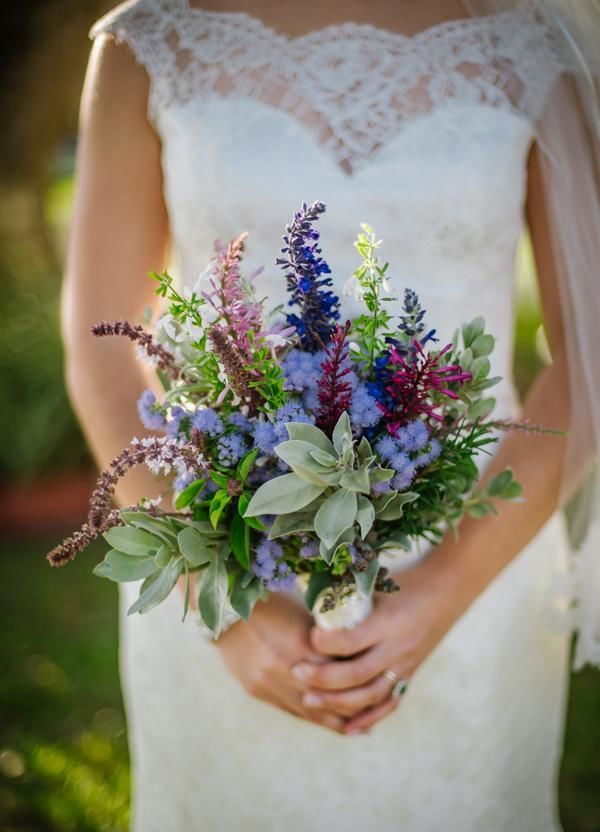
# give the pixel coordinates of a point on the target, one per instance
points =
(370, 329)
(38, 430)
(181, 308)
(214, 587)
(269, 378)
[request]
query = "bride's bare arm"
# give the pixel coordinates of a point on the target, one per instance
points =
(119, 232)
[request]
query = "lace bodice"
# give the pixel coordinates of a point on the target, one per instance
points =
(353, 85)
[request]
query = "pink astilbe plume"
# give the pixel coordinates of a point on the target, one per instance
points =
(413, 380)
(334, 390)
(160, 454)
(231, 295)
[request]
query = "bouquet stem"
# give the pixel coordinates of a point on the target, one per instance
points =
(343, 607)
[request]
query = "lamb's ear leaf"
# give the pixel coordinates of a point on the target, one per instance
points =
(329, 553)
(483, 345)
(283, 495)
(298, 455)
(197, 548)
(117, 566)
(157, 587)
(317, 583)
(131, 541)
(296, 521)
(243, 598)
(162, 527)
(342, 433)
(240, 540)
(365, 580)
(356, 480)
(364, 450)
(395, 507)
(379, 474)
(473, 330)
(213, 595)
(323, 457)
(335, 515)
(309, 433)
(365, 515)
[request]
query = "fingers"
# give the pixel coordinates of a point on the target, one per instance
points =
(365, 720)
(347, 642)
(327, 720)
(350, 673)
(351, 702)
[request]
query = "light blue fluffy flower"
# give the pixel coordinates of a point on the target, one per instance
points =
(310, 549)
(364, 411)
(284, 579)
(231, 448)
(266, 553)
(404, 479)
(265, 438)
(151, 415)
(428, 456)
(301, 369)
(241, 422)
(413, 437)
(208, 421)
(387, 448)
(174, 424)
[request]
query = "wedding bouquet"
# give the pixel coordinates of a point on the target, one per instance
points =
(299, 448)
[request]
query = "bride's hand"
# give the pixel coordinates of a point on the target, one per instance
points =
(262, 651)
(399, 634)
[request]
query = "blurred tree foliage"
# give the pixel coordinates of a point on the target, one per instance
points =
(44, 53)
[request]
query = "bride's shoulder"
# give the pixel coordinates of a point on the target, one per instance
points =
(144, 18)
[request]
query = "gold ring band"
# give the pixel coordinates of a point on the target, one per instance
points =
(391, 676)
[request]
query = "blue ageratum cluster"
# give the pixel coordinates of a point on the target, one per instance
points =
(270, 566)
(269, 434)
(151, 413)
(412, 449)
(308, 280)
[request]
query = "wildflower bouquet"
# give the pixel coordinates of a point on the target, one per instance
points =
(299, 448)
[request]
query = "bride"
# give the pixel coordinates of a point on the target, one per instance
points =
(434, 122)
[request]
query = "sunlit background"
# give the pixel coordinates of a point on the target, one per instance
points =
(63, 747)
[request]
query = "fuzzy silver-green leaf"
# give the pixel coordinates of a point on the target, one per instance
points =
(336, 514)
(283, 495)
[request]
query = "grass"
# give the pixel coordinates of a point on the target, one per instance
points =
(63, 763)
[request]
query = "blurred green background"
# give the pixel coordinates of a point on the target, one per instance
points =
(63, 748)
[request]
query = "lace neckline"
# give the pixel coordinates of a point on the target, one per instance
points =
(255, 25)
(354, 86)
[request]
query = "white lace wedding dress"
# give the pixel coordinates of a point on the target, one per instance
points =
(426, 138)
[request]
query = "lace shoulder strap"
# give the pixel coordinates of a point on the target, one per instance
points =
(148, 28)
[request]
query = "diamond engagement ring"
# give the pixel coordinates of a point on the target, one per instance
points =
(399, 689)
(398, 685)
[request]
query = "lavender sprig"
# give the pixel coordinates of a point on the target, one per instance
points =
(81, 539)
(165, 360)
(304, 269)
(160, 454)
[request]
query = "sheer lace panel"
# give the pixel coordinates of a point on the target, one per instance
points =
(353, 85)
